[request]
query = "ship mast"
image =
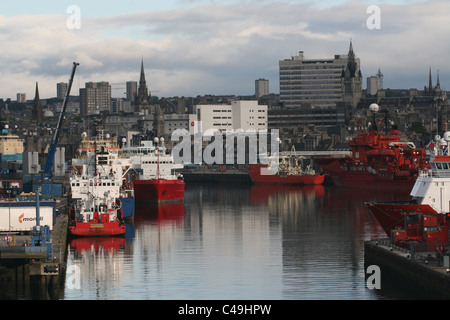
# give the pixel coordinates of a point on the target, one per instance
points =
(157, 153)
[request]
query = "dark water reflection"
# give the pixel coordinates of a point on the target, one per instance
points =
(237, 242)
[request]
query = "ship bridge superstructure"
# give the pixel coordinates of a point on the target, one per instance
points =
(432, 186)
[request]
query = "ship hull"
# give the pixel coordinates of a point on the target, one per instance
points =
(392, 215)
(362, 178)
(159, 190)
(89, 229)
(305, 179)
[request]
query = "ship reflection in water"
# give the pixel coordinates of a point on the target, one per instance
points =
(238, 242)
(149, 212)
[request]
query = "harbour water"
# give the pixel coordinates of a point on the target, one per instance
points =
(237, 242)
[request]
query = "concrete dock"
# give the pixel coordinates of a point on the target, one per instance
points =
(425, 270)
(29, 268)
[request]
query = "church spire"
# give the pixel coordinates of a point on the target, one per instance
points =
(142, 80)
(351, 65)
(38, 114)
(143, 100)
(438, 85)
(430, 82)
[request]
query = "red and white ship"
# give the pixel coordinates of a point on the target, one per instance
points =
(156, 178)
(96, 218)
(378, 160)
(97, 185)
(423, 219)
(285, 170)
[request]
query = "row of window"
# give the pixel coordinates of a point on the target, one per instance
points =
(306, 89)
(307, 80)
(443, 165)
(337, 73)
(156, 162)
(328, 67)
(97, 184)
(313, 98)
(229, 124)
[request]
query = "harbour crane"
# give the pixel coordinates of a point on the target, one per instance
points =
(54, 142)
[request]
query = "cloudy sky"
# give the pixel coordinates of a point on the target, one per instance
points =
(198, 47)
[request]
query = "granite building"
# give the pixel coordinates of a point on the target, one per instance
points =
(95, 97)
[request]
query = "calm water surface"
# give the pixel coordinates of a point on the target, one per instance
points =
(236, 242)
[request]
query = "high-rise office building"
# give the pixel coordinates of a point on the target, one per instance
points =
(261, 88)
(95, 97)
(320, 83)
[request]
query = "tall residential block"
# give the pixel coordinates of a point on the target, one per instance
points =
(320, 83)
(95, 97)
(261, 88)
(61, 89)
(132, 91)
(21, 97)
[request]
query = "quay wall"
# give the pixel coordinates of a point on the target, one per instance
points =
(430, 276)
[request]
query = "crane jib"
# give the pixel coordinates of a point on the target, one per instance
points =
(54, 143)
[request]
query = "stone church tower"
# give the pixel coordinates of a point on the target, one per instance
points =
(143, 98)
(351, 80)
(158, 123)
(143, 103)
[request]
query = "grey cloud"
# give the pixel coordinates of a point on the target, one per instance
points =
(222, 48)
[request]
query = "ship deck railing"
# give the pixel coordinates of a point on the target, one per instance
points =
(413, 255)
(434, 174)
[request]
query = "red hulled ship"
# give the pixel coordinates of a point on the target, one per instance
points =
(156, 180)
(97, 184)
(377, 160)
(285, 170)
(159, 189)
(259, 174)
(93, 218)
(423, 219)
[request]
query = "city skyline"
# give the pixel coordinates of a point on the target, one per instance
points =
(196, 47)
